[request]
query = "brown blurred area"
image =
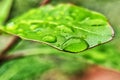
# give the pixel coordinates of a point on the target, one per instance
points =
(98, 73)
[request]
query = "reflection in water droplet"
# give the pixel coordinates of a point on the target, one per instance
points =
(49, 38)
(75, 45)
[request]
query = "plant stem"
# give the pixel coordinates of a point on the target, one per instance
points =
(11, 45)
(5, 58)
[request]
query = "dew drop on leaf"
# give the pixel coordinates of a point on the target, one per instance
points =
(49, 38)
(75, 45)
(63, 28)
(96, 22)
(11, 26)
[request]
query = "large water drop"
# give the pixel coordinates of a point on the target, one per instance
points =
(75, 45)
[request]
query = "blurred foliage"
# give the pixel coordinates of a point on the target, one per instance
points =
(5, 6)
(21, 6)
(33, 67)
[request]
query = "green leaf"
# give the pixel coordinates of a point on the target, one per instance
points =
(5, 6)
(65, 27)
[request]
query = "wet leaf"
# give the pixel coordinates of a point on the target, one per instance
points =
(65, 27)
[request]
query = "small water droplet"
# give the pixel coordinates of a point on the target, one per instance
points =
(49, 38)
(75, 45)
(11, 26)
(96, 22)
(63, 28)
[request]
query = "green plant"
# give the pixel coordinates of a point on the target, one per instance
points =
(66, 27)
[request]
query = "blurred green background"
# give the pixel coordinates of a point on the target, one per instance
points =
(56, 63)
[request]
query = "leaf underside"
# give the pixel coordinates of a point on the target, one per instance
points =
(66, 27)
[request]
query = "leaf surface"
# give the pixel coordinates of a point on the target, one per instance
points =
(65, 27)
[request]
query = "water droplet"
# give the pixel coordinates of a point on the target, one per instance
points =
(49, 38)
(11, 26)
(96, 22)
(75, 45)
(63, 28)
